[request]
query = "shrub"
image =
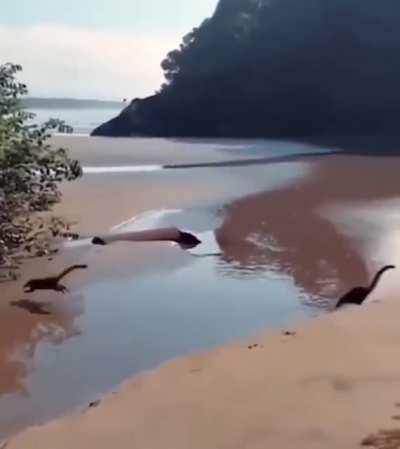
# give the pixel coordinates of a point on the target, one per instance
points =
(31, 171)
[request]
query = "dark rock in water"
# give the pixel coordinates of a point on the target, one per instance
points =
(278, 68)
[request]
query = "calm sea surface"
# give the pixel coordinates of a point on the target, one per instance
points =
(83, 120)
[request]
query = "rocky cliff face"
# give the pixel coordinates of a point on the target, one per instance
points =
(278, 68)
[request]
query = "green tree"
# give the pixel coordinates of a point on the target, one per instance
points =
(31, 171)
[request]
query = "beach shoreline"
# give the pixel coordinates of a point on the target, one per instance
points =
(156, 399)
(40, 323)
(282, 389)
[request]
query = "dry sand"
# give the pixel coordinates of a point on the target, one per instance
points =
(330, 385)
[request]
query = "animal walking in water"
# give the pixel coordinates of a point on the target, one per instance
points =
(51, 283)
(359, 294)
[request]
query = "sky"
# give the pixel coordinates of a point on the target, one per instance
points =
(105, 49)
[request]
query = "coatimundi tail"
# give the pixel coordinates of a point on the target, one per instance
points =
(359, 294)
(51, 283)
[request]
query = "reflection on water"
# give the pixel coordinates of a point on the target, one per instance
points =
(254, 241)
(32, 307)
(123, 169)
(25, 327)
(264, 260)
(83, 120)
(135, 318)
(21, 342)
(133, 323)
(289, 230)
(380, 219)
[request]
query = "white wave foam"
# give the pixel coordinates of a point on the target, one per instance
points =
(78, 243)
(80, 134)
(122, 169)
(145, 220)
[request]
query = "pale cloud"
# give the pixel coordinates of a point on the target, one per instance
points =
(68, 61)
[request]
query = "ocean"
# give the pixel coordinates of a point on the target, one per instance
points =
(83, 116)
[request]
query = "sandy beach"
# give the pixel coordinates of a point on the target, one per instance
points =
(324, 225)
(331, 385)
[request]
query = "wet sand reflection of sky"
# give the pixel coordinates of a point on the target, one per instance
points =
(272, 254)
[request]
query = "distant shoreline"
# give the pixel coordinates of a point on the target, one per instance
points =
(70, 103)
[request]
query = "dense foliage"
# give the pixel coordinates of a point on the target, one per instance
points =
(279, 68)
(30, 172)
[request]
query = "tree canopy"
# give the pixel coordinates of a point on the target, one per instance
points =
(30, 171)
(279, 68)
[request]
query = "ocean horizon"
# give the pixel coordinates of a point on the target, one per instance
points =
(83, 115)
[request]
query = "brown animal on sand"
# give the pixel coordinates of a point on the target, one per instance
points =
(51, 283)
(359, 294)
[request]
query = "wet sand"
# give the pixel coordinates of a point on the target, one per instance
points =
(63, 333)
(301, 390)
(304, 226)
(103, 151)
(331, 385)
